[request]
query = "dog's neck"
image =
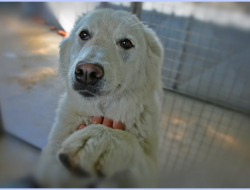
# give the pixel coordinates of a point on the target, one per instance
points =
(116, 107)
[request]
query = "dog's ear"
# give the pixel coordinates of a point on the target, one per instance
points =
(65, 48)
(153, 42)
(154, 58)
(64, 56)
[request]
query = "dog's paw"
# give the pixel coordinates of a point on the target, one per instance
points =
(96, 150)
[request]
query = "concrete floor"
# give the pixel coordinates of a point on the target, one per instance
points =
(30, 86)
(201, 145)
(17, 160)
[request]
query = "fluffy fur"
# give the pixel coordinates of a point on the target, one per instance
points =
(130, 92)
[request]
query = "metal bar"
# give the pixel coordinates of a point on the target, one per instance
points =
(1, 122)
(136, 8)
(177, 76)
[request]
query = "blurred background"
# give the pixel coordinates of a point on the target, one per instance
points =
(205, 124)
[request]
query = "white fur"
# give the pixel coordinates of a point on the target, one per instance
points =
(127, 158)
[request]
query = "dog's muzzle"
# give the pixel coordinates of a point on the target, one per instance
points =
(87, 78)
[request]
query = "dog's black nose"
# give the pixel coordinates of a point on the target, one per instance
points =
(88, 74)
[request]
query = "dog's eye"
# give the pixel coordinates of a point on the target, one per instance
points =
(84, 35)
(126, 44)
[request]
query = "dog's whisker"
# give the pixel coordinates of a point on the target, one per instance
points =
(122, 92)
(133, 25)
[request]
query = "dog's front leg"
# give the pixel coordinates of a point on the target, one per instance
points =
(51, 173)
(99, 151)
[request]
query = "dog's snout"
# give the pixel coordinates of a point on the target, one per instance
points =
(88, 74)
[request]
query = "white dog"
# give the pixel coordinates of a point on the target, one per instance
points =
(111, 64)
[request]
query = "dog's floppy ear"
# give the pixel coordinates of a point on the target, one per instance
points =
(64, 56)
(153, 42)
(155, 56)
(65, 48)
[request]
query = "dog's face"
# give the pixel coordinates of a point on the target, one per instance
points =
(109, 52)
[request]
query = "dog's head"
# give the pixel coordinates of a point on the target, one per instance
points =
(109, 52)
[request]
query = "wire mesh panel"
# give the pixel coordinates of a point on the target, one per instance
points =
(205, 117)
(204, 57)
